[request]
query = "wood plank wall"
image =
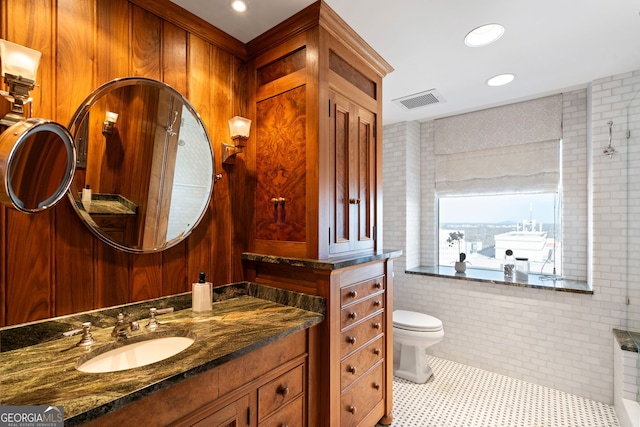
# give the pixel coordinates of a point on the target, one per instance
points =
(50, 264)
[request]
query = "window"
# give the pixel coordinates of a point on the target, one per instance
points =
(528, 224)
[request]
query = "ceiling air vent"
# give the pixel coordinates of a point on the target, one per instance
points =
(418, 100)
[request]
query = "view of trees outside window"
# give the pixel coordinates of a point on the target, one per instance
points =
(523, 223)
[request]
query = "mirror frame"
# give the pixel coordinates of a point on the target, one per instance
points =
(76, 129)
(18, 135)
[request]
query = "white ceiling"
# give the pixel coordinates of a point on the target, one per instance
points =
(551, 45)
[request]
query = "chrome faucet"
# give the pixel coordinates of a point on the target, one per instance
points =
(122, 328)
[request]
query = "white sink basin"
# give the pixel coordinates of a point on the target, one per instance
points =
(136, 352)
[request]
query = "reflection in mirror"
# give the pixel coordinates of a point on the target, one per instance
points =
(37, 163)
(147, 177)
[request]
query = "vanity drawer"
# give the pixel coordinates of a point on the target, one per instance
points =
(290, 415)
(358, 311)
(352, 293)
(362, 397)
(354, 366)
(361, 333)
(279, 391)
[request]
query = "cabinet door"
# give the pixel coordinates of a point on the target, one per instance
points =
(236, 414)
(281, 157)
(352, 134)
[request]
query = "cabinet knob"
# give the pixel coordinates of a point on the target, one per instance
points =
(377, 351)
(283, 391)
(354, 201)
(353, 315)
(352, 369)
(377, 303)
(378, 285)
(352, 409)
(353, 294)
(377, 326)
(376, 386)
(351, 340)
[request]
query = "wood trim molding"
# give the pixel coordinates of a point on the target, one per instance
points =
(338, 28)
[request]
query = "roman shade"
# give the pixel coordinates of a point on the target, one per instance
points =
(509, 149)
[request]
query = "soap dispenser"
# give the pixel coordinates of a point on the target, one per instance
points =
(201, 295)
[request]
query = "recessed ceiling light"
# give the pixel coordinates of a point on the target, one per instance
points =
(238, 5)
(501, 79)
(484, 35)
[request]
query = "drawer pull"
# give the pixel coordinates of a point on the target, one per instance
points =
(376, 386)
(354, 201)
(352, 369)
(378, 285)
(351, 340)
(353, 294)
(377, 303)
(353, 315)
(377, 326)
(352, 409)
(283, 391)
(377, 351)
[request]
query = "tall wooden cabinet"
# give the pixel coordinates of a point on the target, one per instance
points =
(317, 90)
(316, 152)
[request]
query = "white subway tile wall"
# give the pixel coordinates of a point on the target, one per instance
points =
(555, 339)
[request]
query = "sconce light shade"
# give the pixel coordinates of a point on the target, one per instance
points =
(239, 127)
(19, 69)
(109, 123)
(19, 60)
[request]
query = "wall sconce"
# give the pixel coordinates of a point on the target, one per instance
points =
(19, 69)
(109, 123)
(239, 128)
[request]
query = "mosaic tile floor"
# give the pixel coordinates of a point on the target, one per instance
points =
(462, 396)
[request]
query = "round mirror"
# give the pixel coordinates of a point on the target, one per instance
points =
(144, 172)
(37, 164)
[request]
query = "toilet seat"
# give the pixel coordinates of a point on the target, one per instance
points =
(418, 322)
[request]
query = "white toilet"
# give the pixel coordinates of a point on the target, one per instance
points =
(412, 333)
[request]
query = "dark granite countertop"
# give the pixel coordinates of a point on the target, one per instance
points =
(536, 281)
(108, 204)
(245, 317)
(336, 263)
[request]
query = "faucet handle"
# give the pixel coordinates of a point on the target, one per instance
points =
(153, 322)
(120, 319)
(87, 339)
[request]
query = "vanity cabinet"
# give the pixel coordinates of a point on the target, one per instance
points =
(350, 353)
(264, 388)
(316, 151)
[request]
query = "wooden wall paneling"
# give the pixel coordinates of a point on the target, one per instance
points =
(112, 270)
(146, 276)
(29, 266)
(74, 47)
(241, 189)
(29, 247)
(112, 41)
(222, 73)
(199, 243)
(75, 289)
(194, 25)
(174, 69)
(145, 44)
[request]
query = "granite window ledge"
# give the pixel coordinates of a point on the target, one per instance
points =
(535, 281)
